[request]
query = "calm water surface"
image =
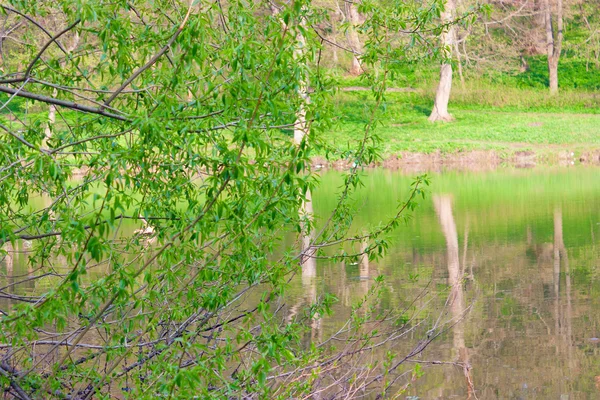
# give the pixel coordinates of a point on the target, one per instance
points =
(522, 248)
(515, 251)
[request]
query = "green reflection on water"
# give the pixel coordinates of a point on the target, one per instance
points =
(526, 244)
(535, 302)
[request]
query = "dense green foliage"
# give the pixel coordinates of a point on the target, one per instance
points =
(173, 118)
(148, 174)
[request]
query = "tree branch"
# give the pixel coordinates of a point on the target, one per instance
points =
(43, 49)
(152, 60)
(62, 103)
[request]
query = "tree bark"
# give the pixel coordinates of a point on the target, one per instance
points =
(553, 76)
(553, 43)
(307, 262)
(539, 9)
(301, 126)
(442, 96)
(52, 107)
(459, 65)
(353, 39)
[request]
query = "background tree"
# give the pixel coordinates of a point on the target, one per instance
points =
(447, 38)
(554, 39)
(353, 39)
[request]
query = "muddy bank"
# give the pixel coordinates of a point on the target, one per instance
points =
(476, 160)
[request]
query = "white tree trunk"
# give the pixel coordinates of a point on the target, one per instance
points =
(459, 65)
(51, 107)
(301, 126)
(353, 39)
(307, 262)
(442, 96)
(553, 43)
(51, 119)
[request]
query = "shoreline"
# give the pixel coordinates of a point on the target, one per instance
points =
(470, 160)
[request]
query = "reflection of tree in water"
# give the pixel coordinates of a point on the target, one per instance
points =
(308, 264)
(8, 263)
(456, 299)
(16, 272)
(363, 266)
(563, 314)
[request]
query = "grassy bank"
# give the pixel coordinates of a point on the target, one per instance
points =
(504, 116)
(477, 126)
(496, 111)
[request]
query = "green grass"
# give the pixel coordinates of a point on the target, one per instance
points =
(497, 110)
(487, 117)
(494, 110)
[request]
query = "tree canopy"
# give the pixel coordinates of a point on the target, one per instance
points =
(149, 171)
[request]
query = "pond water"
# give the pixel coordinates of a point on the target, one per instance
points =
(502, 266)
(520, 250)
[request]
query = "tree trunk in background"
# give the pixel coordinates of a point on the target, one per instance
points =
(307, 262)
(353, 39)
(51, 118)
(51, 107)
(334, 48)
(301, 127)
(553, 76)
(459, 64)
(553, 43)
(539, 8)
(442, 95)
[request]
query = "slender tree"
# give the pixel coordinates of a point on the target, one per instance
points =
(52, 107)
(353, 39)
(447, 38)
(554, 39)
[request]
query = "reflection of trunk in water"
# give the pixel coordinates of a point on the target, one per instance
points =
(556, 275)
(563, 321)
(308, 264)
(443, 207)
(364, 266)
(9, 262)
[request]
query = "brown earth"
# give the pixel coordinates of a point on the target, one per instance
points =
(476, 160)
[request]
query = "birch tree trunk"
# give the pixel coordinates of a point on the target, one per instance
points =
(442, 95)
(353, 39)
(307, 261)
(51, 107)
(301, 127)
(553, 42)
(300, 131)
